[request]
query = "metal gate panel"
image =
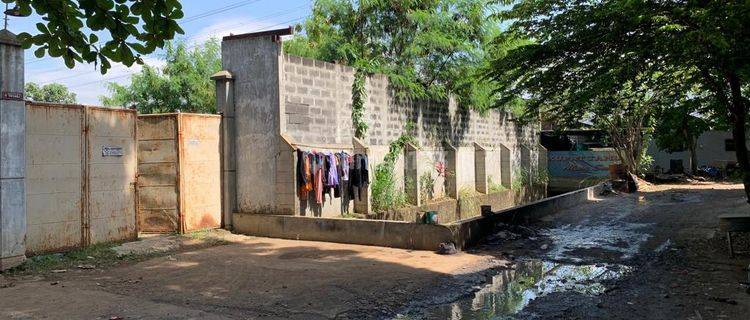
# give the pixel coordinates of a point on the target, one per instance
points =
(157, 169)
(200, 171)
(54, 178)
(111, 174)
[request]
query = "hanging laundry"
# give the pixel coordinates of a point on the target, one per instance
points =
(344, 161)
(337, 174)
(320, 162)
(333, 175)
(360, 176)
(342, 169)
(304, 184)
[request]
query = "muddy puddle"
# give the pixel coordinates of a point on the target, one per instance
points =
(510, 291)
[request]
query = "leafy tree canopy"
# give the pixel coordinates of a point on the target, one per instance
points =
(183, 83)
(428, 49)
(679, 127)
(53, 92)
(71, 29)
(583, 51)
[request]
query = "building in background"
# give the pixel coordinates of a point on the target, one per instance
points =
(716, 149)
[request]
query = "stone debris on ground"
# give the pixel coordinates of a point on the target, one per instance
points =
(447, 248)
(607, 189)
(510, 232)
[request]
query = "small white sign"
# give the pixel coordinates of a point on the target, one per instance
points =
(112, 151)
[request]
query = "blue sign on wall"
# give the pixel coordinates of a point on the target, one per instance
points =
(580, 164)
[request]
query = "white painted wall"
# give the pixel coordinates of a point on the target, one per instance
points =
(711, 151)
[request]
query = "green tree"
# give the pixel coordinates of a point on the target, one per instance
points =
(183, 83)
(679, 128)
(428, 49)
(71, 29)
(583, 51)
(627, 116)
(53, 92)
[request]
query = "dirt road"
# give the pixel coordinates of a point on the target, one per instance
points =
(248, 278)
(656, 255)
(653, 255)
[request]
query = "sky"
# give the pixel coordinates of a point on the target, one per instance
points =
(203, 20)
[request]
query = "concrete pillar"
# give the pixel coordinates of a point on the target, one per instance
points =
(451, 171)
(480, 168)
(12, 153)
(254, 62)
(526, 164)
(363, 206)
(506, 175)
(411, 174)
(542, 162)
(225, 107)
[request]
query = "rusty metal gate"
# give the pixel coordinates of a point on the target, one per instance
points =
(81, 164)
(179, 164)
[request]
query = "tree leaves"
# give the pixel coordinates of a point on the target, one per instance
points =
(183, 83)
(52, 93)
(620, 58)
(62, 33)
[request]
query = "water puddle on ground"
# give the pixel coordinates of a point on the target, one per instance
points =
(510, 291)
(622, 239)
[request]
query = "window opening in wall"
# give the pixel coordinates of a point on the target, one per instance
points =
(676, 166)
(729, 145)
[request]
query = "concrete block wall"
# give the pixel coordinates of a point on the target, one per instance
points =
(317, 96)
(308, 104)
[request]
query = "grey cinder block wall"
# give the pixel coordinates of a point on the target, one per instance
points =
(12, 153)
(280, 103)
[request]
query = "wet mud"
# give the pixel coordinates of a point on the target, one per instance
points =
(653, 255)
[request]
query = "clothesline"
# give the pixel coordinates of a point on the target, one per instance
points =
(297, 146)
(319, 173)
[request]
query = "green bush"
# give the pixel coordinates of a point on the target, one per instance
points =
(386, 195)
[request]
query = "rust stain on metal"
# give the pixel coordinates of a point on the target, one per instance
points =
(179, 190)
(76, 197)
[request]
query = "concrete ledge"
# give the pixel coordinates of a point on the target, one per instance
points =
(399, 234)
(468, 232)
(382, 233)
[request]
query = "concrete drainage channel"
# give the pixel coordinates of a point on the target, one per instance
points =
(396, 234)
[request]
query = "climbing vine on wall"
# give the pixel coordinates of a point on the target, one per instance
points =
(385, 193)
(359, 96)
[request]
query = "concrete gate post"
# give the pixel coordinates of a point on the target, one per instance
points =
(225, 107)
(12, 153)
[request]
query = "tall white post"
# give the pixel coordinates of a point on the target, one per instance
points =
(12, 153)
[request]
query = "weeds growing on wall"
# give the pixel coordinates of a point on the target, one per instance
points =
(359, 96)
(524, 178)
(520, 179)
(494, 187)
(427, 186)
(386, 195)
(468, 201)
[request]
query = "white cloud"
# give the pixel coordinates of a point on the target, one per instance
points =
(225, 27)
